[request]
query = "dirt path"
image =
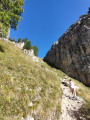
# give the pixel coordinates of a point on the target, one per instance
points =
(70, 106)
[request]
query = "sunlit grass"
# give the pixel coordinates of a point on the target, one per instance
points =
(23, 81)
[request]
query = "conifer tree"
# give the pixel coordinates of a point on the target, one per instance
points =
(10, 14)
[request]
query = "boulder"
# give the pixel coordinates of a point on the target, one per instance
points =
(71, 53)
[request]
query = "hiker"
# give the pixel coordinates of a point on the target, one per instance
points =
(72, 88)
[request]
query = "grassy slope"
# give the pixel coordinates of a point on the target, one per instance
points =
(23, 81)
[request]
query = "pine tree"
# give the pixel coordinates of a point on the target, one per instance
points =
(10, 14)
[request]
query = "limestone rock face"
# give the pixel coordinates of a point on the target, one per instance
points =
(71, 53)
(20, 44)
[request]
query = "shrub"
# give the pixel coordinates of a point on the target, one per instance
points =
(1, 48)
(25, 40)
(19, 40)
(12, 40)
(35, 50)
(27, 45)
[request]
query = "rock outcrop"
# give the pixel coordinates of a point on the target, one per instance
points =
(71, 53)
(28, 52)
(31, 53)
(20, 44)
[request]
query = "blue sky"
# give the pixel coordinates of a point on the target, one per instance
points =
(44, 21)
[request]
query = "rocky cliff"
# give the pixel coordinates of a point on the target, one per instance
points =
(71, 53)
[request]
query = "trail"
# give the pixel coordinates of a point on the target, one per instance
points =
(70, 106)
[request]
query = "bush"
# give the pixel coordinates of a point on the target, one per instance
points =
(27, 45)
(35, 50)
(12, 40)
(19, 40)
(1, 48)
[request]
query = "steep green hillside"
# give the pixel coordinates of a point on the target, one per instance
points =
(26, 87)
(30, 88)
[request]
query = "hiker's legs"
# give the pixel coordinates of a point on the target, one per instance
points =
(72, 90)
(75, 94)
